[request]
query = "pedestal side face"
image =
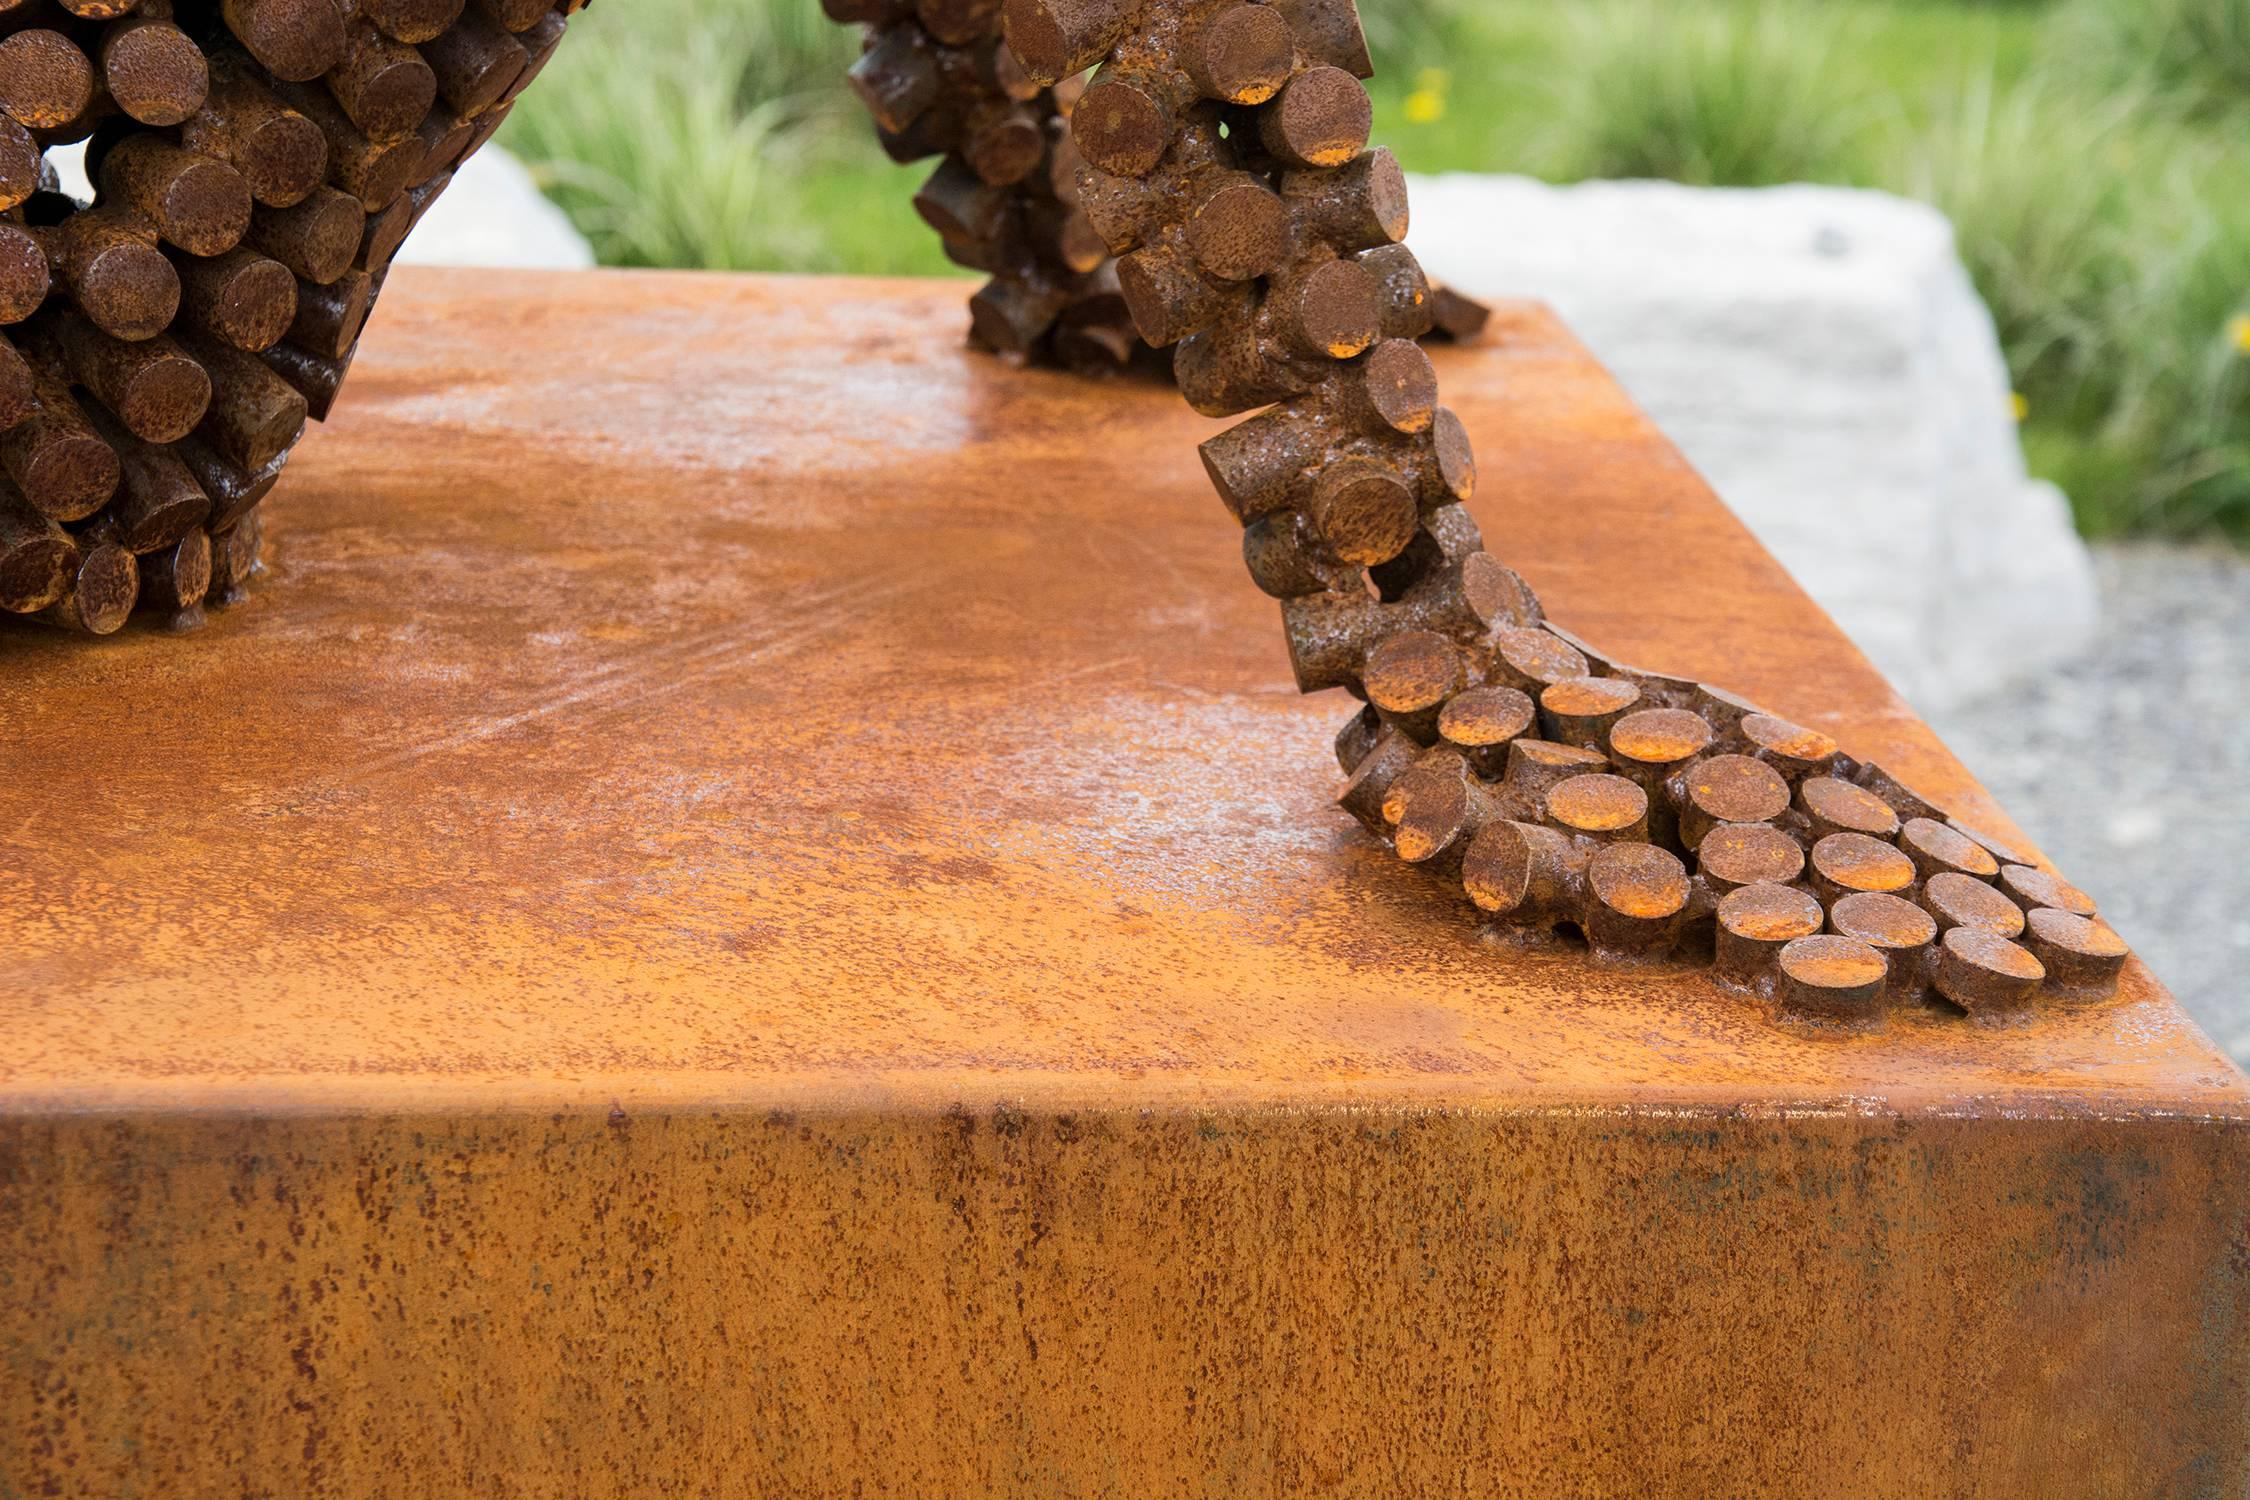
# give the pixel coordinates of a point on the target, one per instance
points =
(684, 689)
(1121, 1303)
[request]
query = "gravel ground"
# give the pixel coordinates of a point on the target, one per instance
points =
(2132, 769)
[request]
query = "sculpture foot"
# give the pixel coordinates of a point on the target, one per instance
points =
(1220, 151)
(1560, 788)
(257, 164)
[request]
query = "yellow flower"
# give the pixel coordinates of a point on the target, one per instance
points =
(2238, 333)
(1427, 102)
(2019, 405)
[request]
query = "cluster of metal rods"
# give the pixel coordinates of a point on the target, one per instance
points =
(256, 164)
(1561, 789)
(940, 81)
(1219, 153)
(1004, 200)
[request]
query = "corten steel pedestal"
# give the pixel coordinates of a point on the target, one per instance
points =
(719, 927)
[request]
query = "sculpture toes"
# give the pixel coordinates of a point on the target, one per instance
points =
(1654, 816)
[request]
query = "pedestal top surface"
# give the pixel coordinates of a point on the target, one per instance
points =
(692, 690)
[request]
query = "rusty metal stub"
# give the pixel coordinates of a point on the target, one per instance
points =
(1638, 881)
(1894, 927)
(2081, 956)
(2033, 888)
(1485, 716)
(1535, 659)
(1958, 900)
(1599, 806)
(1937, 849)
(1755, 922)
(1882, 921)
(1791, 748)
(1740, 854)
(1834, 806)
(1639, 894)
(1584, 710)
(1844, 864)
(1659, 738)
(1986, 974)
(1770, 912)
(1831, 978)
(1727, 788)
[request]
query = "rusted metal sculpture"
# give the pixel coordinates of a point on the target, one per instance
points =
(1220, 151)
(257, 164)
(1209, 191)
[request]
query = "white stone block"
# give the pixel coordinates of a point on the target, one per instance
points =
(494, 215)
(1820, 356)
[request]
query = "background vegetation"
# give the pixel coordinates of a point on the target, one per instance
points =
(2094, 156)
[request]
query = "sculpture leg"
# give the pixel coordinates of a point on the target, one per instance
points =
(1004, 200)
(1220, 152)
(256, 165)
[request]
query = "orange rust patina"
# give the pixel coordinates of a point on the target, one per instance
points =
(708, 931)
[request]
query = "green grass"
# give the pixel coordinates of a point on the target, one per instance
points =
(2194, 55)
(1707, 95)
(718, 134)
(2094, 155)
(2038, 231)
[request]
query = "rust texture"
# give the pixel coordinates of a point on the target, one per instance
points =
(257, 164)
(518, 1011)
(1220, 150)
